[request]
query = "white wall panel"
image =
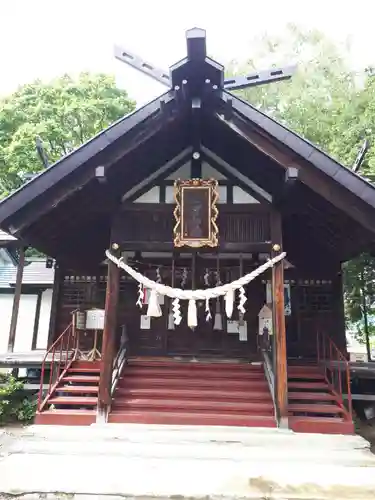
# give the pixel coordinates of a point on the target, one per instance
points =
(44, 319)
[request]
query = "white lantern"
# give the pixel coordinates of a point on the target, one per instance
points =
(265, 320)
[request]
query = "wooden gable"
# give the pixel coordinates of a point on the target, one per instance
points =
(328, 212)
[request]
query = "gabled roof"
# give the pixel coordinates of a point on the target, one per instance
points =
(74, 199)
(35, 273)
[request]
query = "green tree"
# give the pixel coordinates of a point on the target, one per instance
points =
(359, 295)
(333, 107)
(324, 101)
(63, 113)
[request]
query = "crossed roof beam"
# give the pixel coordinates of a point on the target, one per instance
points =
(196, 50)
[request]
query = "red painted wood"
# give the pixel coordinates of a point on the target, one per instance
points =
(193, 393)
(250, 408)
(181, 418)
(73, 400)
(66, 417)
(306, 375)
(84, 370)
(192, 371)
(81, 378)
(168, 363)
(78, 389)
(167, 383)
(321, 425)
(314, 396)
(183, 393)
(315, 408)
(307, 385)
(86, 365)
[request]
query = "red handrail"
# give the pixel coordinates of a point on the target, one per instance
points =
(336, 369)
(66, 348)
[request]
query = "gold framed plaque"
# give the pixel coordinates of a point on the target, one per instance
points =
(196, 213)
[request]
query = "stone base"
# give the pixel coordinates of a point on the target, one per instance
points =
(118, 461)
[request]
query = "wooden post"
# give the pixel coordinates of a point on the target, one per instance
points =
(108, 343)
(281, 376)
(16, 300)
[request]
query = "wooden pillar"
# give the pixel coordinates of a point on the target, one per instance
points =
(281, 376)
(37, 319)
(16, 300)
(109, 339)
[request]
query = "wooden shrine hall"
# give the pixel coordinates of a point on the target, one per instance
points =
(198, 246)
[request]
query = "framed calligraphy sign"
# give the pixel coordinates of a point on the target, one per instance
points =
(196, 213)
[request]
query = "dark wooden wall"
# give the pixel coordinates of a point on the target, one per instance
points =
(316, 304)
(144, 226)
(316, 289)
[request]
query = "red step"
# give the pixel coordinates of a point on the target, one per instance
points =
(315, 408)
(92, 389)
(168, 383)
(321, 425)
(77, 400)
(86, 364)
(305, 375)
(183, 418)
(65, 417)
(264, 408)
(305, 369)
(205, 394)
(81, 378)
(195, 372)
(167, 364)
(83, 370)
(307, 385)
(314, 396)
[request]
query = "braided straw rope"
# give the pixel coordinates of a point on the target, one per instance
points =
(208, 293)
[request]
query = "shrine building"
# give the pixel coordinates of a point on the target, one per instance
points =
(199, 247)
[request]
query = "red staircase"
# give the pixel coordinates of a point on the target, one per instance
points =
(316, 393)
(74, 399)
(73, 385)
(199, 393)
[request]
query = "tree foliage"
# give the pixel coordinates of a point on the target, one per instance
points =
(334, 108)
(359, 295)
(325, 101)
(64, 113)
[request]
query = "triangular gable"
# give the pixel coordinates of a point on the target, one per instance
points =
(123, 156)
(240, 195)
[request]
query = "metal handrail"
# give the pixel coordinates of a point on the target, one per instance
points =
(118, 365)
(60, 355)
(332, 359)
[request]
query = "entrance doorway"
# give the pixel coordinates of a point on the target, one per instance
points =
(204, 341)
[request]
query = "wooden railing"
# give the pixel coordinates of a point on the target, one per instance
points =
(336, 370)
(59, 358)
(265, 344)
(118, 365)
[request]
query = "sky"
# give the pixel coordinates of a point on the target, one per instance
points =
(47, 38)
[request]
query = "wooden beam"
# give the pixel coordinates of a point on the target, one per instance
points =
(109, 338)
(319, 182)
(281, 377)
(236, 176)
(16, 300)
(36, 319)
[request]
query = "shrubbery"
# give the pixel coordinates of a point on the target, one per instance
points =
(15, 404)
